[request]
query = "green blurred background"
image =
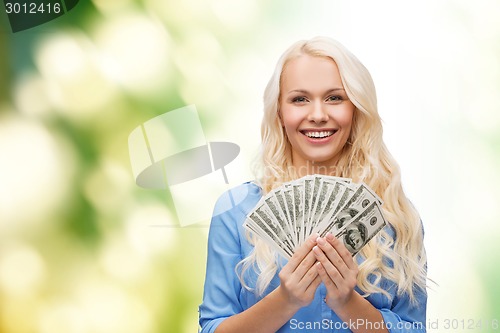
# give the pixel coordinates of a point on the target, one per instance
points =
(83, 249)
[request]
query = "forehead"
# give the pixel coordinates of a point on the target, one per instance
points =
(311, 73)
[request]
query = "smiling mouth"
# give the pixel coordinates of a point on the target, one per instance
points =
(318, 134)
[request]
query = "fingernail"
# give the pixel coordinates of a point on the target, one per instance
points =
(320, 241)
(330, 236)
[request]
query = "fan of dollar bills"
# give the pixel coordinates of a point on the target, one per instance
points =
(287, 215)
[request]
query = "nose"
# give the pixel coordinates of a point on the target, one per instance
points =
(318, 113)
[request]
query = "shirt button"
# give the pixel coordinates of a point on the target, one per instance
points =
(324, 299)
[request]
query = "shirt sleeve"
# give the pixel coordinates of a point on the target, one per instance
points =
(405, 317)
(222, 286)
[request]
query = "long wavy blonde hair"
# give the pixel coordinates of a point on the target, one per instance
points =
(364, 158)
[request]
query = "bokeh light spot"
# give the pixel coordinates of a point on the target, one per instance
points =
(35, 173)
(22, 269)
(69, 64)
(148, 229)
(135, 52)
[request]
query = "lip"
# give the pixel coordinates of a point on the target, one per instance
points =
(323, 140)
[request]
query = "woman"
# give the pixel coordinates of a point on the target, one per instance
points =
(320, 117)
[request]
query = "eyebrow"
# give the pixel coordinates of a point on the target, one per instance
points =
(306, 92)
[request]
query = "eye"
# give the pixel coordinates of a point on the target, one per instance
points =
(334, 98)
(299, 99)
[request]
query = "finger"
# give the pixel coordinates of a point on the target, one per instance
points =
(315, 283)
(304, 266)
(300, 254)
(332, 271)
(333, 256)
(330, 285)
(309, 276)
(342, 251)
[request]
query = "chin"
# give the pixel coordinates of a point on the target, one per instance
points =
(322, 159)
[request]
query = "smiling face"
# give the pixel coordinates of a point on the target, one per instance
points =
(315, 111)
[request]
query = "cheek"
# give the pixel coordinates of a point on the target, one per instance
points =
(289, 119)
(345, 117)
(280, 115)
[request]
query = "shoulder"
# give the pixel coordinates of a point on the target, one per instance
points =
(230, 211)
(238, 200)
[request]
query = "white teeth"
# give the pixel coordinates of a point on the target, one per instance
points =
(318, 135)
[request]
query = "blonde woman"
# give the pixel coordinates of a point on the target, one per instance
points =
(320, 117)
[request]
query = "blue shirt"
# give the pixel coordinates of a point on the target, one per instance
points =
(224, 295)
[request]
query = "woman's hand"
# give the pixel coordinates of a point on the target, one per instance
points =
(299, 277)
(337, 270)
